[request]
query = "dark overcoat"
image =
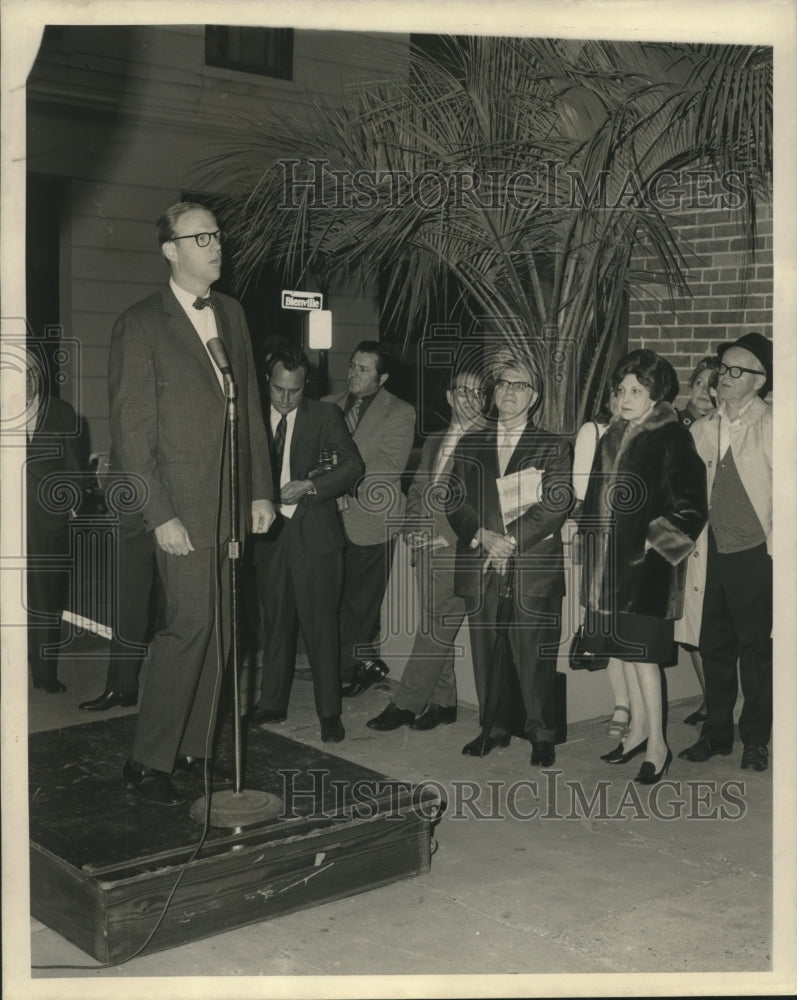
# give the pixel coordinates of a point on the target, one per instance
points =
(644, 508)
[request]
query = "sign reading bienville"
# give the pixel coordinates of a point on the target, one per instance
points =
(302, 300)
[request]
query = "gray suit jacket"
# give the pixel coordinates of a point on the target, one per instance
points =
(168, 414)
(384, 439)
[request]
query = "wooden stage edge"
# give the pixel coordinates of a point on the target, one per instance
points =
(103, 864)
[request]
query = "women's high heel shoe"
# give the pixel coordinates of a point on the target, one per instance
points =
(621, 756)
(647, 776)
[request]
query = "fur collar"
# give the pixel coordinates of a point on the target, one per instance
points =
(621, 432)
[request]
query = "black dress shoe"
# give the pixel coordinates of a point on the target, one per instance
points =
(704, 749)
(699, 716)
(150, 785)
(195, 767)
(391, 718)
(482, 745)
(332, 730)
(621, 756)
(365, 674)
(755, 758)
(648, 776)
(53, 686)
(543, 754)
(109, 699)
(259, 716)
(435, 715)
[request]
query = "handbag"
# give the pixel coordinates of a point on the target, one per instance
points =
(579, 659)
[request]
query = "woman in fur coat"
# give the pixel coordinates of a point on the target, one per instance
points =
(645, 506)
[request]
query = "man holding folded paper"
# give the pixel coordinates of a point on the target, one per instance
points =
(509, 497)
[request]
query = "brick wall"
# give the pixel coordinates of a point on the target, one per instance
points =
(731, 292)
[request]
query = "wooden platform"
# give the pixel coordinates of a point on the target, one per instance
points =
(103, 864)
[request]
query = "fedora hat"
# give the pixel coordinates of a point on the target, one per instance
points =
(760, 347)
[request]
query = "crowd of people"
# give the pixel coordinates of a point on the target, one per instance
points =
(672, 514)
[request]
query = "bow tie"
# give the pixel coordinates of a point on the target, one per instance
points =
(200, 303)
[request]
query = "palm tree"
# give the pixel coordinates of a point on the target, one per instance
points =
(528, 169)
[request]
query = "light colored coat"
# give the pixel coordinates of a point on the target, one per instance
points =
(384, 439)
(751, 446)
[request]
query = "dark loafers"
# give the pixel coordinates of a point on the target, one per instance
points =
(150, 785)
(755, 758)
(543, 754)
(483, 745)
(109, 699)
(391, 718)
(260, 716)
(435, 715)
(332, 730)
(703, 750)
(365, 674)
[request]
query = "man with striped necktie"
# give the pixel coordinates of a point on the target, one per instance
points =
(383, 428)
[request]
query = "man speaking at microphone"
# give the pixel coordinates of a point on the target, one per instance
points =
(169, 357)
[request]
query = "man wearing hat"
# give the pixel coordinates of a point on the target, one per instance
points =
(733, 558)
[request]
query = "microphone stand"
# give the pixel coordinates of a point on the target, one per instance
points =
(236, 808)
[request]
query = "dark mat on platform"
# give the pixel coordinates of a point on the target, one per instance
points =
(103, 862)
(80, 810)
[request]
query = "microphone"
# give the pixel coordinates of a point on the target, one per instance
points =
(218, 352)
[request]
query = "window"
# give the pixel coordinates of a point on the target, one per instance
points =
(265, 51)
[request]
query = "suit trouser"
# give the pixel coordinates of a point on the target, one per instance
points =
(179, 702)
(299, 589)
(365, 573)
(47, 591)
(737, 625)
(536, 625)
(137, 578)
(429, 677)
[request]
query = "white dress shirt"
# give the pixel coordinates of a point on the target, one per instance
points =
(726, 422)
(202, 320)
(508, 438)
(286, 509)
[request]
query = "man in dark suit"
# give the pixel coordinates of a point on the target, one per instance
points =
(523, 539)
(428, 684)
(299, 563)
(167, 428)
(136, 589)
(383, 428)
(53, 495)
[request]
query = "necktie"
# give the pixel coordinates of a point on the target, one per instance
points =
(279, 448)
(506, 446)
(200, 303)
(444, 453)
(353, 416)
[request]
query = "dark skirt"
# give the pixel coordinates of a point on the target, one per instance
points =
(633, 638)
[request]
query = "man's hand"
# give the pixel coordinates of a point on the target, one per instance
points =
(417, 539)
(499, 549)
(263, 515)
(293, 491)
(173, 538)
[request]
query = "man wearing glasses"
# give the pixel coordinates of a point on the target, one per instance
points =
(733, 558)
(524, 541)
(428, 684)
(168, 429)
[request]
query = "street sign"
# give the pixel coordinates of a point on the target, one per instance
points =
(302, 300)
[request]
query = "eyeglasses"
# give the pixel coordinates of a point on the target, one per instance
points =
(501, 383)
(463, 391)
(735, 371)
(202, 239)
